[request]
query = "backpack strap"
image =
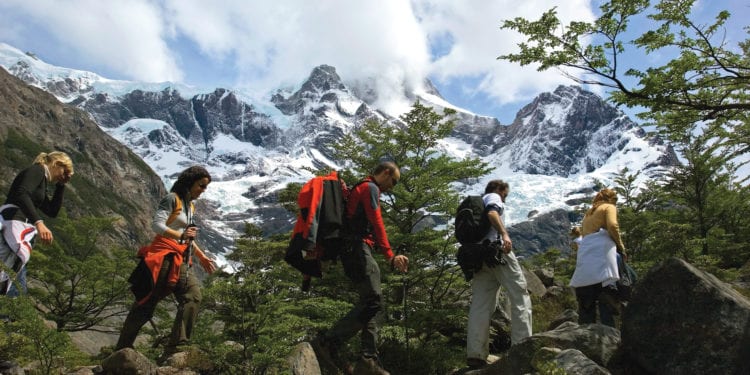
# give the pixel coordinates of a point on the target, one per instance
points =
(178, 208)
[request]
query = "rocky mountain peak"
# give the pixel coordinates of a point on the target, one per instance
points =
(323, 78)
(322, 86)
(566, 132)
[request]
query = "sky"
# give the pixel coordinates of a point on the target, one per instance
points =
(258, 45)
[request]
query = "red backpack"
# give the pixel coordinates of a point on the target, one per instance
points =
(319, 230)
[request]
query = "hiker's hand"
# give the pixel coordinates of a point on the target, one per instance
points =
(44, 233)
(207, 264)
(400, 262)
(507, 244)
(65, 178)
(190, 233)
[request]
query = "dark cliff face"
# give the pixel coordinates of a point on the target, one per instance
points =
(199, 119)
(561, 133)
(109, 181)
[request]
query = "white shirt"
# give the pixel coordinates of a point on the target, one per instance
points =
(494, 202)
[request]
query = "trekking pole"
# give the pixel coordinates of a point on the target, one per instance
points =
(401, 249)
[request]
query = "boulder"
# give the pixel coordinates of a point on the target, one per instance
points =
(128, 362)
(302, 360)
(568, 315)
(597, 342)
(683, 320)
(546, 276)
(533, 284)
(547, 360)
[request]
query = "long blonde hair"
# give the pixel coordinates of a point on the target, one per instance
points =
(603, 196)
(55, 158)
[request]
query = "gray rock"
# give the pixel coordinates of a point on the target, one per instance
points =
(533, 284)
(683, 320)
(567, 316)
(128, 362)
(546, 275)
(596, 341)
(302, 360)
(576, 363)
(543, 232)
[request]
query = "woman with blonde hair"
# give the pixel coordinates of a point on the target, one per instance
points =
(596, 262)
(21, 219)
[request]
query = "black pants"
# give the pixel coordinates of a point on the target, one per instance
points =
(588, 298)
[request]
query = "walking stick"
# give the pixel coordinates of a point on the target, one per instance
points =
(401, 249)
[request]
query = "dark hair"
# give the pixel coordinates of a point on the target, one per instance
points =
(385, 166)
(186, 180)
(495, 185)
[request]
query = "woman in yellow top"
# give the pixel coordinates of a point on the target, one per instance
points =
(596, 262)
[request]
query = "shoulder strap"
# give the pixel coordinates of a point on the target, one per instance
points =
(177, 208)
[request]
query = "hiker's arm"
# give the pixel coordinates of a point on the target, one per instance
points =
(205, 261)
(613, 226)
(372, 210)
(21, 196)
(497, 222)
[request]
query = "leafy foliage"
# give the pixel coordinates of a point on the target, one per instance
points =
(77, 284)
(707, 81)
(25, 337)
(425, 307)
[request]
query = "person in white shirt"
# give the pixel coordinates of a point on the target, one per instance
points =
(486, 283)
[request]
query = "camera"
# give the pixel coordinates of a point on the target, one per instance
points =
(494, 254)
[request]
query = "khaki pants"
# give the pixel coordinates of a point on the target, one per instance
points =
(188, 295)
(484, 288)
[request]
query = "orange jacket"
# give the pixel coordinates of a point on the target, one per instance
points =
(153, 255)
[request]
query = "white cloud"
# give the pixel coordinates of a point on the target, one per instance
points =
(474, 28)
(267, 43)
(127, 36)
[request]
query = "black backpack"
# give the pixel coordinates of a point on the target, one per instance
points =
(471, 220)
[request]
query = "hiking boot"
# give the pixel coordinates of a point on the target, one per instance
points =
(328, 359)
(369, 366)
(476, 363)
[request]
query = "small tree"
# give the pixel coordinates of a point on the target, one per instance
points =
(416, 212)
(262, 308)
(79, 284)
(706, 81)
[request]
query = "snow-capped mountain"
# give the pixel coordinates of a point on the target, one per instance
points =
(556, 147)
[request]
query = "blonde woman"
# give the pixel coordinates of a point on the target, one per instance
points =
(596, 262)
(21, 213)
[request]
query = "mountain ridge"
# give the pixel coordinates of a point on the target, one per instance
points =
(564, 140)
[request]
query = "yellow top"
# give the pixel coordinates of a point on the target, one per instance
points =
(604, 216)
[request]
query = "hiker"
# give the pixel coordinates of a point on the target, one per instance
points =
(165, 266)
(596, 262)
(487, 281)
(20, 214)
(367, 233)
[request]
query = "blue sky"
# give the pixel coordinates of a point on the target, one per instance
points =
(260, 45)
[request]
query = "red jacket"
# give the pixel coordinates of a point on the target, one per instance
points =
(363, 212)
(153, 255)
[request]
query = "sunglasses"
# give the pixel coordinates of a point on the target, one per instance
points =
(202, 186)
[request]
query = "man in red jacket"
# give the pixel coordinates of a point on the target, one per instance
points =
(367, 233)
